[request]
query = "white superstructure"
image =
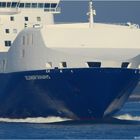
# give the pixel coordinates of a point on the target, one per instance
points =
(16, 15)
(45, 45)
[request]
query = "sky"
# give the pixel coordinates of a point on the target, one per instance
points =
(106, 11)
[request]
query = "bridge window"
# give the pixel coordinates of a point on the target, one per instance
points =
(14, 4)
(7, 43)
(21, 5)
(40, 5)
(27, 5)
(34, 5)
(8, 4)
(47, 5)
(7, 31)
(124, 64)
(53, 5)
(2, 4)
(94, 64)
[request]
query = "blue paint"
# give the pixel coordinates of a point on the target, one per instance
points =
(83, 93)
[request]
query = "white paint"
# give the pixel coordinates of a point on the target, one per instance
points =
(37, 77)
(91, 20)
(19, 22)
(43, 52)
(47, 46)
(101, 36)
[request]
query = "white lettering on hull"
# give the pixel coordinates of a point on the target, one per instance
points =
(37, 77)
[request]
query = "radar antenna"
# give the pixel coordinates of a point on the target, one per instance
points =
(91, 14)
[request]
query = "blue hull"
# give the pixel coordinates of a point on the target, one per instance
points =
(84, 93)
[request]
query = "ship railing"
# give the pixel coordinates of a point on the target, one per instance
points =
(53, 10)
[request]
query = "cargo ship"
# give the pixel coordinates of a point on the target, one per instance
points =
(81, 71)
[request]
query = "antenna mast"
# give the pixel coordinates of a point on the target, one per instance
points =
(91, 14)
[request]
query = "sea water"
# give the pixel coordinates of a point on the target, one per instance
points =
(40, 128)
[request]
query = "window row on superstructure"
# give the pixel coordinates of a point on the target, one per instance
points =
(25, 18)
(27, 5)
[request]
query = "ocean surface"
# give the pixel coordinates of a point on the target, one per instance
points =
(39, 128)
(128, 125)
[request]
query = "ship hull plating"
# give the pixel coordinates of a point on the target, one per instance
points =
(84, 93)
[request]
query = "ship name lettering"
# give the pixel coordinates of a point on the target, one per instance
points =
(37, 77)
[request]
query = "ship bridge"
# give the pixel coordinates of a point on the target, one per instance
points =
(9, 7)
(15, 15)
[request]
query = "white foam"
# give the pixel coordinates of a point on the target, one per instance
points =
(137, 137)
(128, 117)
(35, 120)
